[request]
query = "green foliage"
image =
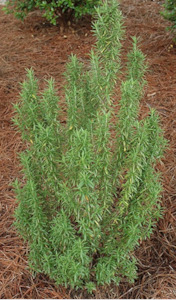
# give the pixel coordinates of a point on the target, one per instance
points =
(169, 12)
(52, 9)
(90, 192)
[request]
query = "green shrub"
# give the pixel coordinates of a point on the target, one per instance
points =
(52, 9)
(90, 192)
(170, 12)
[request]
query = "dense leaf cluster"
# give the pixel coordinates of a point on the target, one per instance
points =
(90, 192)
(52, 9)
(169, 12)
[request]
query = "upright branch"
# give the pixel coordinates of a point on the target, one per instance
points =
(131, 93)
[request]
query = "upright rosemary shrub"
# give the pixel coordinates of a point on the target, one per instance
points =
(90, 192)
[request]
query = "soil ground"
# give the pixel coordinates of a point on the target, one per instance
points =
(36, 44)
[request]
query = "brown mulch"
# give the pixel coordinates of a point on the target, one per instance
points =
(36, 44)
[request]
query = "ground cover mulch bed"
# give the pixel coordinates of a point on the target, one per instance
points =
(36, 44)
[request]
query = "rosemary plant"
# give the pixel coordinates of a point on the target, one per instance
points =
(90, 190)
